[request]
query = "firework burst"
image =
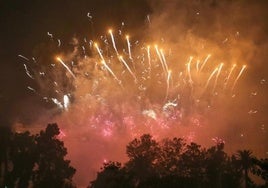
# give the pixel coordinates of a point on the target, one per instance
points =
(123, 86)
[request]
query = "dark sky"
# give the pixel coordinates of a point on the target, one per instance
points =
(24, 25)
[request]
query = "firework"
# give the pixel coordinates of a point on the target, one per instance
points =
(66, 102)
(112, 38)
(160, 58)
(217, 77)
(128, 45)
(168, 84)
(152, 100)
(240, 73)
(205, 61)
(149, 57)
(65, 66)
(211, 75)
(229, 75)
(125, 63)
(105, 65)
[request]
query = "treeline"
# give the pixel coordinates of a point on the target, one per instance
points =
(36, 161)
(174, 163)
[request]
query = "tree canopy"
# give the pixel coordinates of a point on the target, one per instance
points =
(176, 163)
(34, 160)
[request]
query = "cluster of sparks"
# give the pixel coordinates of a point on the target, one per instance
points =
(140, 85)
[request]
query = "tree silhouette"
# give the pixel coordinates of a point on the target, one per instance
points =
(169, 162)
(246, 163)
(112, 176)
(34, 160)
(216, 161)
(261, 169)
(174, 163)
(22, 157)
(5, 142)
(143, 154)
(52, 169)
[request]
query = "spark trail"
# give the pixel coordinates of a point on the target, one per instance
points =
(229, 75)
(65, 66)
(125, 63)
(129, 48)
(112, 38)
(239, 75)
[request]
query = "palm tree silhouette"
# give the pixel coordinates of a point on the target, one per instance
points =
(246, 163)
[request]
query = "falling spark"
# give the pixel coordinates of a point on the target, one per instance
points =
(59, 42)
(110, 70)
(262, 81)
(149, 57)
(168, 84)
(254, 93)
(252, 112)
(126, 65)
(57, 102)
(105, 65)
(23, 57)
(128, 45)
(240, 73)
(164, 59)
(60, 60)
(205, 61)
(27, 71)
(148, 18)
(211, 75)
(32, 89)
(160, 58)
(229, 75)
(217, 76)
(66, 102)
(189, 70)
(197, 65)
(98, 49)
(112, 38)
(50, 35)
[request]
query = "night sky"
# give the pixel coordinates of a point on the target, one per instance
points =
(24, 25)
(232, 31)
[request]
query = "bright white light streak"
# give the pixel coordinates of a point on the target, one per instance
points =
(229, 75)
(23, 57)
(55, 101)
(205, 61)
(66, 102)
(128, 45)
(217, 76)
(197, 65)
(160, 58)
(168, 84)
(239, 75)
(112, 38)
(110, 70)
(27, 71)
(189, 70)
(211, 75)
(149, 57)
(164, 59)
(67, 68)
(126, 65)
